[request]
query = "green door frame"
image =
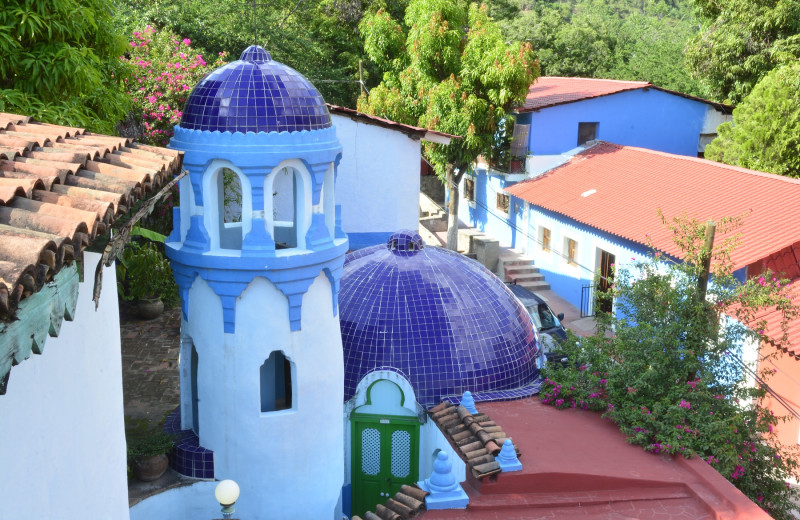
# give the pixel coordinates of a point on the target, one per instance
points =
(369, 490)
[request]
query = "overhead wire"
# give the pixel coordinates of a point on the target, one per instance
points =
(760, 381)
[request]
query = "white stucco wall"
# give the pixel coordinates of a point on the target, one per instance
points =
(378, 178)
(195, 502)
(62, 431)
(289, 463)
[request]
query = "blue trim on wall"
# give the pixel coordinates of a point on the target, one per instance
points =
(347, 505)
(229, 275)
(362, 240)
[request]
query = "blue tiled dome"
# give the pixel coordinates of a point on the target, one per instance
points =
(439, 318)
(255, 94)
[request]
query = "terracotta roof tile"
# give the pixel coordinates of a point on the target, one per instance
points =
(386, 123)
(406, 503)
(60, 187)
(548, 91)
(476, 438)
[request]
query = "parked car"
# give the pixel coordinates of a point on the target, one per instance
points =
(546, 321)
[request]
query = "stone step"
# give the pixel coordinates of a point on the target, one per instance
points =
(520, 269)
(515, 260)
(498, 502)
(525, 277)
(534, 286)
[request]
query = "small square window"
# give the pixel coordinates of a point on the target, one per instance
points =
(469, 190)
(503, 201)
(586, 132)
(545, 239)
(572, 251)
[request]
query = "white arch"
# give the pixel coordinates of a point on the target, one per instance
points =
(410, 402)
(213, 200)
(302, 200)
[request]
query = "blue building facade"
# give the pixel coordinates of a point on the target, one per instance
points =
(561, 117)
(645, 117)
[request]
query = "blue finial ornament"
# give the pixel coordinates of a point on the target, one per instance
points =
(468, 402)
(445, 492)
(508, 457)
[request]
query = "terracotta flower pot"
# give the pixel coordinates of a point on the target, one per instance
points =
(150, 468)
(150, 309)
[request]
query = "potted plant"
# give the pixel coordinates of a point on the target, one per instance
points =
(148, 455)
(144, 275)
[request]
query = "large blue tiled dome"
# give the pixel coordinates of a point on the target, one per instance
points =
(255, 94)
(442, 320)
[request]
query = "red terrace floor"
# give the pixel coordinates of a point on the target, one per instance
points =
(576, 465)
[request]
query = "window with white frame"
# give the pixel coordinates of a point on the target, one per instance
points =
(503, 201)
(469, 189)
(571, 251)
(544, 238)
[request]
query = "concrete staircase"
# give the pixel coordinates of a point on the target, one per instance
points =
(522, 271)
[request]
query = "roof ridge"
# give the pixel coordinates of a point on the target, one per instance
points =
(709, 162)
(643, 83)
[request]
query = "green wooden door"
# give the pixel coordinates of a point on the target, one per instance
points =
(385, 456)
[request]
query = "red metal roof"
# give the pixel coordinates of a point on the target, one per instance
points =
(619, 189)
(785, 264)
(550, 91)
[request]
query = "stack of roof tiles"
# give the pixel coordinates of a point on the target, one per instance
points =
(60, 187)
(406, 503)
(477, 438)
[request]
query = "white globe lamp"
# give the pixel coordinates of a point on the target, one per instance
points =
(227, 493)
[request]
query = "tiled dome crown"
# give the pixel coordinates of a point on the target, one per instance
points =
(255, 94)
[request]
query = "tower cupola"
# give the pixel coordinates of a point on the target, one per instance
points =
(257, 254)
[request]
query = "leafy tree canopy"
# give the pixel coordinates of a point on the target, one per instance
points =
(765, 133)
(58, 61)
(447, 68)
(320, 39)
(741, 41)
(619, 39)
(667, 368)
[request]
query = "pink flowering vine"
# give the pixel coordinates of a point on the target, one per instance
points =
(167, 68)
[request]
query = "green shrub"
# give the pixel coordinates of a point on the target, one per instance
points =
(667, 369)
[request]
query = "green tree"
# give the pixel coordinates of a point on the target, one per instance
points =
(58, 62)
(447, 68)
(667, 367)
(623, 39)
(320, 39)
(765, 133)
(741, 41)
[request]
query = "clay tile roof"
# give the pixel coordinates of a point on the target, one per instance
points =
(618, 189)
(60, 187)
(406, 503)
(548, 91)
(476, 438)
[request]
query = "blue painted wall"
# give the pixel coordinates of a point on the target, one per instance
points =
(483, 214)
(565, 279)
(646, 118)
